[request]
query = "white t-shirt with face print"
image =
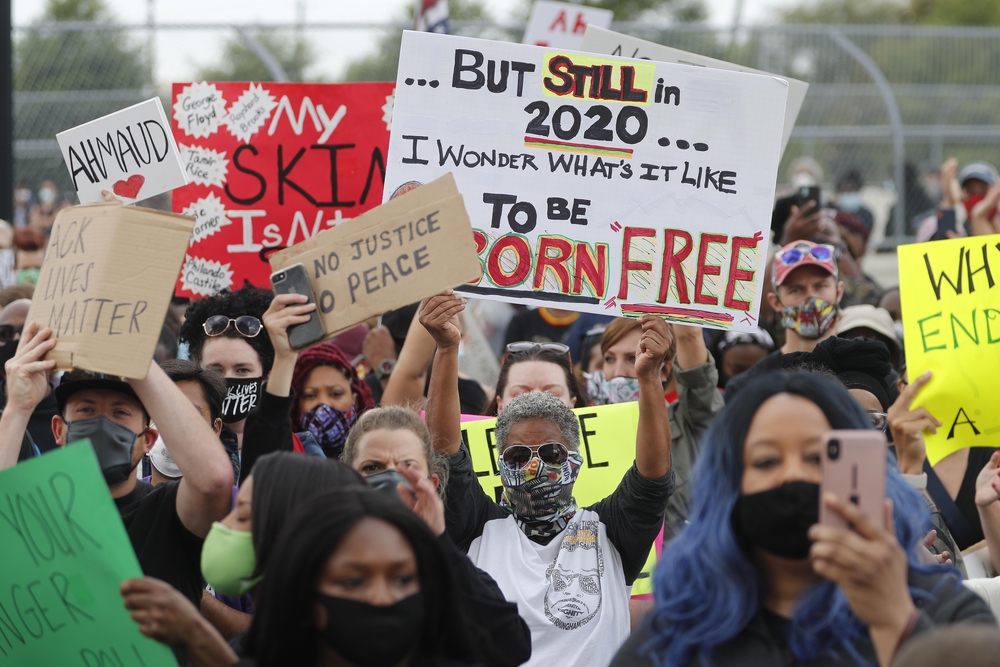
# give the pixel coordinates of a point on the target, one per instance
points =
(571, 592)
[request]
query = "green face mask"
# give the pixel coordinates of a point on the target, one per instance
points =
(228, 560)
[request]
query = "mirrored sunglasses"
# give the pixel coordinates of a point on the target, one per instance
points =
(247, 326)
(822, 253)
(517, 457)
(523, 347)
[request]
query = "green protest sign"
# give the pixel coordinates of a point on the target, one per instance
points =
(65, 552)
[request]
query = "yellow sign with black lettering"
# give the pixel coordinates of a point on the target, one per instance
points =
(950, 297)
(607, 444)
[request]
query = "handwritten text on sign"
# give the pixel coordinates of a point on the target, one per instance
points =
(64, 556)
(271, 165)
(130, 153)
(105, 285)
(606, 185)
(951, 319)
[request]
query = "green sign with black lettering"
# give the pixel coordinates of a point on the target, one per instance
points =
(64, 555)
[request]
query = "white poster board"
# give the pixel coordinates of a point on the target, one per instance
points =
(600, 40)
(130, 153)
(562, 25)
(595, 183)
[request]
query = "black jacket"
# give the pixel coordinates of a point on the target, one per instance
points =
(756, 645)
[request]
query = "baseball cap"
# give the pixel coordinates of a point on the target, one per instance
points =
(161, 459)
(984, 171)
(78, 380)
(802, 253)
(866, 316)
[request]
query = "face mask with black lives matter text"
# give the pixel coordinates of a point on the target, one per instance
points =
(241, 398)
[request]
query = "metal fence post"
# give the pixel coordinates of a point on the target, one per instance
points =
(896, 124)
(266, 57)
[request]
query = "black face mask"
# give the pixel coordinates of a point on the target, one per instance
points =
(778, 520)
(370, 636)
(7, 351)
(241, 398)
(113, 444)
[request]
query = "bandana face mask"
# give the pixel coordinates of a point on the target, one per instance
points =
(241, 398)
(540, 495)
(603, 391)
(810, 319)
(330, 427)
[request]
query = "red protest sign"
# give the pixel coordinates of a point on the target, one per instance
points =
(270, 165)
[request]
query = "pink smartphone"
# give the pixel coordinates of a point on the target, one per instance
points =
(854, 471)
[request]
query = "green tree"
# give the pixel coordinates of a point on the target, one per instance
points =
(381, 65)
(240, 63)
(54, 71)
(846, 11)
(684, 11)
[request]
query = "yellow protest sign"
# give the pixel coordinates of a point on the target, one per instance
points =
(607, 443)
(950, 299)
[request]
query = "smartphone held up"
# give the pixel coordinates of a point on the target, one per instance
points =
(854, 470)
(295, 280)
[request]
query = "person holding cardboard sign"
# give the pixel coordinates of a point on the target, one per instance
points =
(165, 524)
(568, 568)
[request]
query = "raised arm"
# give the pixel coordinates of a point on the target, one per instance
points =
(286, 310)
(406, 383)
(439, 316)
(652, 438)
(27, 384)
(691, 349)
(205, 492)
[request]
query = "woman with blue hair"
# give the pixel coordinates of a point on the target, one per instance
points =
(753, 580)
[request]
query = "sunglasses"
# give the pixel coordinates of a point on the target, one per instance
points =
(8, 331)
(524, 347)
(823, 253)
(517, 457)
(247, 326)
(880, 421)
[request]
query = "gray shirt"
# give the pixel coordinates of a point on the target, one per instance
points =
(699, 401)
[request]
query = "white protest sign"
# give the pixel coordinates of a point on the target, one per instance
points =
(562, 25)
(600, 184)
(600, 40)
(130, 153)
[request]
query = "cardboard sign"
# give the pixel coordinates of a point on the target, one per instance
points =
(272, 164)
(950, 300)
(600, 40)
(105, 285)
(130, 153)
(417, 245)
(607, 443)
(562, 25)
(600, 184)
(65, 553)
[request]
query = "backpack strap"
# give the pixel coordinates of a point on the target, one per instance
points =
(959, 526)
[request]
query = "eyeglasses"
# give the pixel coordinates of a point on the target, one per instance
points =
(823, 253)
(523, 347)
(517, 457)
(8, 331)
(247, 326)
(880, 421)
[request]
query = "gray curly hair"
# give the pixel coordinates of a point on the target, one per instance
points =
(538, 405)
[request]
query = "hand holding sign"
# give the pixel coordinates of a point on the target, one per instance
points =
(651, 352)
(28, 370)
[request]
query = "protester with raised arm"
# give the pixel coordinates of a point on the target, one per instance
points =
(166, 524)
(569, 568)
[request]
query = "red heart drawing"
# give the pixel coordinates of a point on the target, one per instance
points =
(130, 188)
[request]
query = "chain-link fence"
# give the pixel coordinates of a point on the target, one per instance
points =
(888, 102)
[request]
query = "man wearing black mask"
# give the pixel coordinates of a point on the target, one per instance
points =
(165, 524)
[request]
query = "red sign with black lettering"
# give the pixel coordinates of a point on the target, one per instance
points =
(270, 165)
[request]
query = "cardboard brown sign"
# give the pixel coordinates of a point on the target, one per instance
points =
(105, 285)
(416, 245)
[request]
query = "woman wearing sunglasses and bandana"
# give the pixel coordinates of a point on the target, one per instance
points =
(569, 569)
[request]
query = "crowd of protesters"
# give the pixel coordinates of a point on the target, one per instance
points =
(332, 515)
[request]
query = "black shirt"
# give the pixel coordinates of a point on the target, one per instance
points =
(529, 325)
(166, 549)
(966, 498)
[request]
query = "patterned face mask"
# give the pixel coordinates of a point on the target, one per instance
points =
(616, 390)
(810, 319)
(330, 427)
(540, 495)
